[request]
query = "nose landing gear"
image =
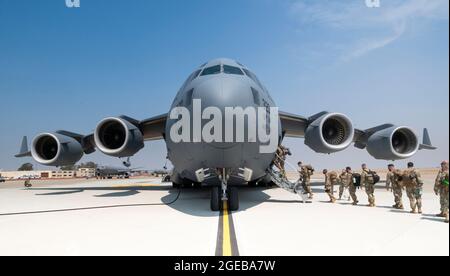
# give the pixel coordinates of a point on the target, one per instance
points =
(223, 193)
(217, 199)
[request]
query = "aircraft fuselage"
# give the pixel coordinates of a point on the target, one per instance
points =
(223, 91)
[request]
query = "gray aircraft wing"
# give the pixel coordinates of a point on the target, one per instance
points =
(293, 125)
(387, 141)
(153, 128)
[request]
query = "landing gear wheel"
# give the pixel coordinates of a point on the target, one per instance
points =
(216, 200)
(233, 199)
(197, 185)
(252, 184)
(263, 184)
(187, 185)
(176, 185)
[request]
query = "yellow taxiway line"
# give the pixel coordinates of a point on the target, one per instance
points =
(226, 232)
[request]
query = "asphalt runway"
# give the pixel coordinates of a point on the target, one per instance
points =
(146, 217)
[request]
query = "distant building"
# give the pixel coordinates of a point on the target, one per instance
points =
(86, 172)
(63, 174)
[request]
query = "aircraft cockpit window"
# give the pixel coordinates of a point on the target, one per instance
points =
(227, 69)
(212, 70)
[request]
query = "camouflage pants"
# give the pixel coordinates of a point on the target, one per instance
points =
(306, 185)
(444, 198)
(398, 194)
(329, 189)
(370, 191)
(342, 187)
(415, 197)
(279, 163)
(352, 191)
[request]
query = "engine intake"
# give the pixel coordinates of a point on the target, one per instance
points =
(393, 143)
(118, 137)
(53, 149)
(330, 133)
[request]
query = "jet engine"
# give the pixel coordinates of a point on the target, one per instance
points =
(53, 149)
(118, 137)
(330, 133)
(393, 143)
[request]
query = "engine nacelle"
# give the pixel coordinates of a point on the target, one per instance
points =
(393, 143)
(53, 149)
(330, 133)
(117, 137)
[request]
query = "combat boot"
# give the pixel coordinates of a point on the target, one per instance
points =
(355, 203)
(414, 211)
(441, 215)
(420, 211)
(401, 207)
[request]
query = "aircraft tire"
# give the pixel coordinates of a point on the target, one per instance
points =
(197, 185)
(233, 199)
(176, 185)
(187, 184)
(252, 184)
(215, 199)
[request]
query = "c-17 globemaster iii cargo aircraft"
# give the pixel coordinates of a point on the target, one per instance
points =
(223, 130)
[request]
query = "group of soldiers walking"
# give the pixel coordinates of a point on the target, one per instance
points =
(397, 180)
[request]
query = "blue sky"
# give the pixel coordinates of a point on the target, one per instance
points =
(67, 69)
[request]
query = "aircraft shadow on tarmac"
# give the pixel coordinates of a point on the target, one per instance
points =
(191, 201)
(196, 202)
(113, 191)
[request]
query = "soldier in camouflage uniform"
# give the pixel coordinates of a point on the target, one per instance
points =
(394, 177)
(351, 186)
(305, 177)
(388, 180)
(414, 188)
(331, 179)
(344, 183)
(441, 189)
(280, 159)
(367, 181)
(347, 180)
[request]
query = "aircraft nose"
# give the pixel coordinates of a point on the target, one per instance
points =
(224, 91)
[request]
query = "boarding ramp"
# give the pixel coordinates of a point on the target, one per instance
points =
(285, 184)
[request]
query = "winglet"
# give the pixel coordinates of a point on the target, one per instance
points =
(24, 152)
(426, 144)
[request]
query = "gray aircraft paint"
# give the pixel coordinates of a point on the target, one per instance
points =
(221, 91)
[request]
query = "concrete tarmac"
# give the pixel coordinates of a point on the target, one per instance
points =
(147, 217)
